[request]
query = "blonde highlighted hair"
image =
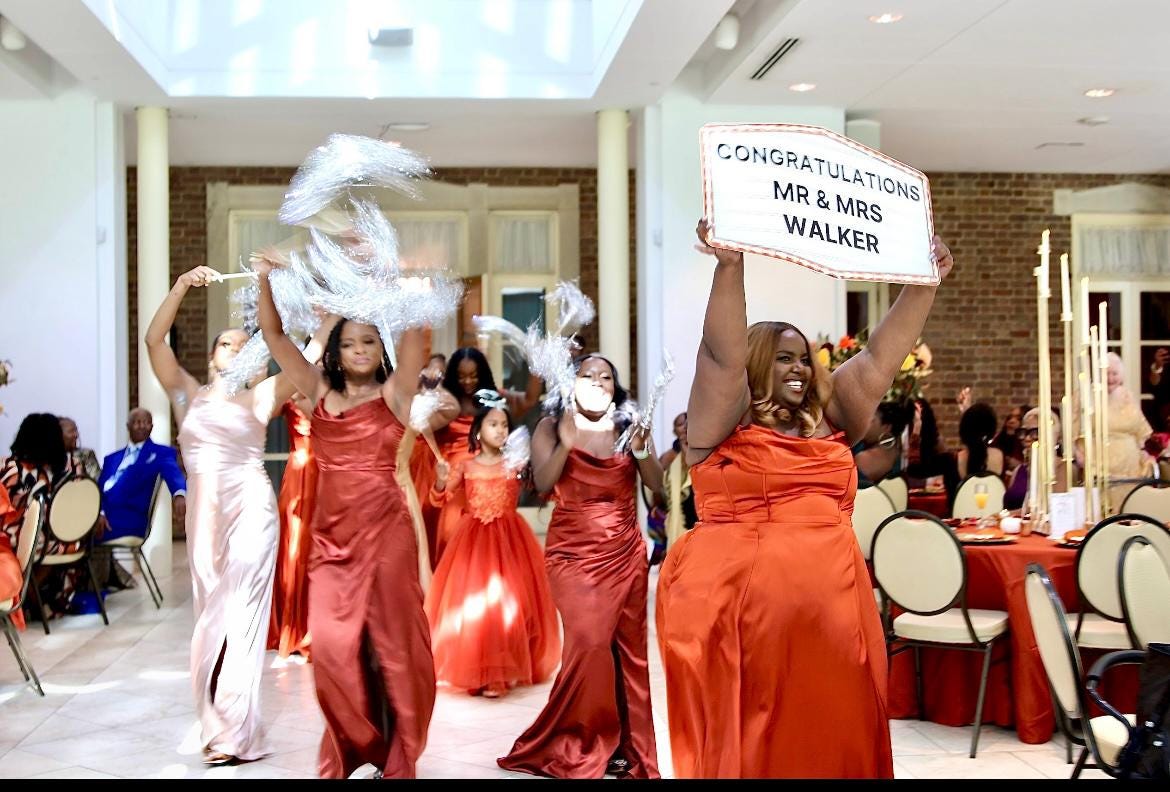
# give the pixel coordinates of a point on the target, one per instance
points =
(763, 339)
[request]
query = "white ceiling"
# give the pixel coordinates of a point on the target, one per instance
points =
(975, 85)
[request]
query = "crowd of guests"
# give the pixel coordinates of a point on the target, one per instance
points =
(903, 440)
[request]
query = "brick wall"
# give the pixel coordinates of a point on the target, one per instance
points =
(983, 327)
(188, 205)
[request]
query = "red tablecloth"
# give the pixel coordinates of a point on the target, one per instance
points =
(1017, 688)
(930, 502)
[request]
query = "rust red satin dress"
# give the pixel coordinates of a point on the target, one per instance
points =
(493, 622)
(773, 649)
(288, 630)
(599, 706)
(452, 442)
(372, 660)
(422, 475)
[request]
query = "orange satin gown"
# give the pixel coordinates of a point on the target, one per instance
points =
(288, 630)
(372, 663)
(493, 622)
(599, 706)
(771, 641)
(452, 442)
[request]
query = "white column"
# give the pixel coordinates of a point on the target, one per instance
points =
(865, 131)
(613, 238)
(154, 281)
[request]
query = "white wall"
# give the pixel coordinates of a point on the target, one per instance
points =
(62, 291)
(673, 279)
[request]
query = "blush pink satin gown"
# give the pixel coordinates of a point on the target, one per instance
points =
(372, 660)
(232, 530)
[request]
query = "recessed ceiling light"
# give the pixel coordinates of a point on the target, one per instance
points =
(885, 19)
(1099, 93)
(802, 87)
(1093, 120)
(409, 126)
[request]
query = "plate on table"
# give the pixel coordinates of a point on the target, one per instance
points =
(1069, 541)
(989, 539)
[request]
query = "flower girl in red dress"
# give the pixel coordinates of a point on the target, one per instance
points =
(493, 622)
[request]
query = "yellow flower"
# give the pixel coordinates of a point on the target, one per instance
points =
(823, 357)
(909, 362)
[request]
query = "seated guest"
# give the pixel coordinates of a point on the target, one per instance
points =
(83, 460)
(1017, 491)
(926, 457)
(127, 483)
(879, 453)
(38, 461)
(976, 428)
(666, 523)
(1008, 441)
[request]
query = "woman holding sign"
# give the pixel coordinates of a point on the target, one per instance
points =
(774, 655)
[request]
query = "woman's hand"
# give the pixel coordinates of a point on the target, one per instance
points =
(567, 429)
(942, 254)
(198, 277)
(722, 255)
(442, 472)
(964, 399)
(639, 439)
(265, 261)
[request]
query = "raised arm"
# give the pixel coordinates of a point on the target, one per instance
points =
(400, 388)
(551, 443)
(860, 382)
(719, 393)
(520, 403)
(302, 375)
(272, 393)
(163, 362)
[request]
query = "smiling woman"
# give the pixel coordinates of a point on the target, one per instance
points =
(769, 432)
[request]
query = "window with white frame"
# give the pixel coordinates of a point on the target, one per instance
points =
(866, 303)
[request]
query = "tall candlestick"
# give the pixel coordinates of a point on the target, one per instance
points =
(1087, 436)
(1103, 333)
(1043, 461)
(1065, 290)
(1033, 478)
(1085, 321)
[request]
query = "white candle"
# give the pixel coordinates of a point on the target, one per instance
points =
(1087, 437)
(1103, 334)
(1084, 310)
(1065, 290)
(1033, 479)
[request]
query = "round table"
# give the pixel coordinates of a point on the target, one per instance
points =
(1017, 689)
(930, 502)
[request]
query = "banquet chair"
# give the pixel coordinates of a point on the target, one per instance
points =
(30, 529)
(965, 505)
(898, 491)
(922, 569)
(1143, 575)
(1102, 737)
(871, 506)
(1101, 624)
(135, 543)
(1151, 498)
(72, 514)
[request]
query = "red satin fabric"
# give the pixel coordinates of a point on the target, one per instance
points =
(599, 706)
(288, 630)
(771, 641)
(422, 474)
(371, 645)
(452, 442)
(493, 622)
(1017, 690)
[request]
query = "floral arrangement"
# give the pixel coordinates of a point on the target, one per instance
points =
(908, 384)
(1157, 444)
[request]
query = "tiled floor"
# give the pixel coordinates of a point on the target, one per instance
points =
(118, 704)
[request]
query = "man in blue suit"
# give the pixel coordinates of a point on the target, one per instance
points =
(128, 479)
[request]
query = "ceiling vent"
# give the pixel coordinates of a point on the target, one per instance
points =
(784, 48)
